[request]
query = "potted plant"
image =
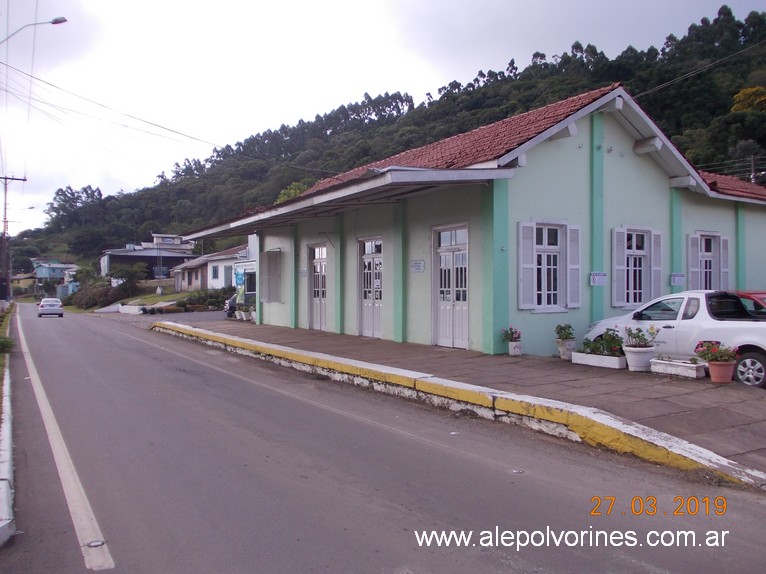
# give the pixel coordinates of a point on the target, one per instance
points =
(605, 351)
(513, 338)
(253, 314)
(565, 340)
(721, 360)
(639, 348)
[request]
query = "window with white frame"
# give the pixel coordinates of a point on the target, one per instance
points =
(707, 261)
(636, 266)
(215, 271)
(549, 266)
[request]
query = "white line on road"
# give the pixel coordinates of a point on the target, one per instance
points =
(94, 549)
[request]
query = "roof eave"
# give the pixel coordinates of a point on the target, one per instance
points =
(382, 184)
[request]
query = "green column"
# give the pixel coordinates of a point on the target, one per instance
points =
(676, 237)
(340, 276)
(495, 269)
(397, 263)
(740, 239)
(597, 231)
(294, 271)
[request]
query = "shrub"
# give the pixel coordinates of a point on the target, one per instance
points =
(6, 344)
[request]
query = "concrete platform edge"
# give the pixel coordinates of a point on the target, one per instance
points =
(574, 422)
(7, 520)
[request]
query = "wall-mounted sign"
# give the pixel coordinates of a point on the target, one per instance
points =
(417, 266)
(677, 279)
(597, 279)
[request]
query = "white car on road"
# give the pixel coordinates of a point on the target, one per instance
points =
(685, 319)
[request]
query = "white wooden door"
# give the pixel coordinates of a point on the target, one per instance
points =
(319, 289)
(372, 295)
(452, 298)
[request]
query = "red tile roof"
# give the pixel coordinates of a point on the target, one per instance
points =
(730, 185)
(483, 144)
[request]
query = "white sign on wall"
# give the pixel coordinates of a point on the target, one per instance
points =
(418, 266)
(597, 279)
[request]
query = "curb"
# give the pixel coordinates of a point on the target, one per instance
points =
(7, 520)
(574, 422)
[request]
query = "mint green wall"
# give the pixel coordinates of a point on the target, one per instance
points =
(456, 206)
(553, 187)
(752, 253)
(374, 222)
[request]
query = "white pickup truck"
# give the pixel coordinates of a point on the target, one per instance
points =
(684, 319)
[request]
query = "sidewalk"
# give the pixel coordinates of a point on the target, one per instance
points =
(683, 423)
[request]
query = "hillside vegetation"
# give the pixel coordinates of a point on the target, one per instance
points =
(706, 90)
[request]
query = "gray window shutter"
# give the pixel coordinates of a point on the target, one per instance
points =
(724, 263)
(619, 239)
(526, 291)
(693, 263)
(573, 267)
(656, 285)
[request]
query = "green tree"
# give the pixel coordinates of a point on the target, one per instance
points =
(130, 276)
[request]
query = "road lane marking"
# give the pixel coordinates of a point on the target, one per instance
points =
(95, 554)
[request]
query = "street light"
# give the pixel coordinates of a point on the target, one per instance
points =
(59, 20)
(5, 257)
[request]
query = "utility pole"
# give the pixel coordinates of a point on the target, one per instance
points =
(6, 287)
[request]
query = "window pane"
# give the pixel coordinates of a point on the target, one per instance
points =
(553, 236)
(461, 237)
(539, 236)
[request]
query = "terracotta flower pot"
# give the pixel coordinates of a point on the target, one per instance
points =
(721, 372)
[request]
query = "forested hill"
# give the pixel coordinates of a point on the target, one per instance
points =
(706, 90)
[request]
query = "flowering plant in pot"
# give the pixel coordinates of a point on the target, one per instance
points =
(638, 338)
(565, 340)
(512, 336)
(605, 351)
(639, 347)
(721, 360)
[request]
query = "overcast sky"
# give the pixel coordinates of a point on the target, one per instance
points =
(126, 88)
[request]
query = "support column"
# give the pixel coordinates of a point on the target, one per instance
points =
(676, 237)
(398, 265)
(340, 276)
(294, 273)
(597, 232)
(495, 268)
(741, 248)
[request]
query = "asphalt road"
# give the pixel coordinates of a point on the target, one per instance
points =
(190, 460)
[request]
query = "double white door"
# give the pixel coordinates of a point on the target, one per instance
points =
(319, 288)
(452, 298)
(372, 295)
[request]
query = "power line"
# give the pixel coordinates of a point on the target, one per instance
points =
(697, 71)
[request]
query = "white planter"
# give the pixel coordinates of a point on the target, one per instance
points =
(245, 315)
(566, 346)
(678, 368)
(239, 315)
(638, 358)
(599, 360)
(514, 348)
